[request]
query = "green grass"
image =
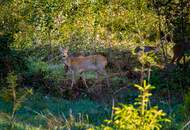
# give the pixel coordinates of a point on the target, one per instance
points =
(30, 116)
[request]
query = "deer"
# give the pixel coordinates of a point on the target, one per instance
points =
(79, 64)
(179, 51)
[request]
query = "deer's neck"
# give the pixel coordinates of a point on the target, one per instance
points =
(67, 61)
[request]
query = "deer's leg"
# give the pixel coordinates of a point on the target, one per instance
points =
(173, 60)
(106, 76)
(184, 59)
(84, 80)
(97, 75)
(73, 79)
(179, 58)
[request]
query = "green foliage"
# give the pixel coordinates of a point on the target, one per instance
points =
(46, 77)
(177, 79)
(89, 26)
(52, 22)
(137, 116)
(147, 58)
(10, 59)
(37, 66)
(43, 112)
(180, 114)
(10, 94)
(187, 103)
(184, 108)
(5, 41)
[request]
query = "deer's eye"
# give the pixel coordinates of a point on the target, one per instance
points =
(62, 55)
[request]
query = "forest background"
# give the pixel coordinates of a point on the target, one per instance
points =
(36, 89)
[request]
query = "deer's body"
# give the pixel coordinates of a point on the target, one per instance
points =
(86, 63)
(79, 64)
(179, 51)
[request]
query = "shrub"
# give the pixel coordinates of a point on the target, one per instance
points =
(137, 116)
(187, 103)
(43, 76)
(15, 96)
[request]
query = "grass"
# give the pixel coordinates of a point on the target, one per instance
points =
(44, 112)
(35, 112)
(31, 115)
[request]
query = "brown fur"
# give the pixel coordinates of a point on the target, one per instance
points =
(80, 64)
(179, 51)
(87, 63)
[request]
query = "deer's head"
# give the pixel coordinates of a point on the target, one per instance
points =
(64, 52)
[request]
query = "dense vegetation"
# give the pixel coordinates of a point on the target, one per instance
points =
(146, 44)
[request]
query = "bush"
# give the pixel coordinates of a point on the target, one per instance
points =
(137, 116)
(45, 76)
(10, 59)
(16, 97)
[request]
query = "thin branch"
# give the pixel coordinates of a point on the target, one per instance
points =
(185, 125)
